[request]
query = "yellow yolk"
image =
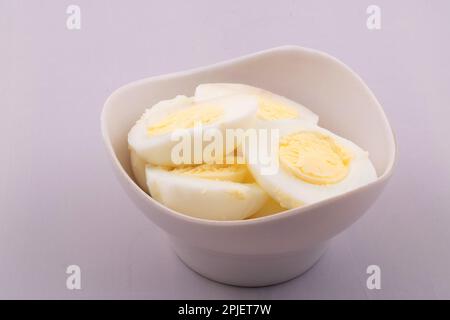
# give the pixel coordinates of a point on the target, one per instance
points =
(314, 157)
(223, 172)
(186, 118)
(272, 110)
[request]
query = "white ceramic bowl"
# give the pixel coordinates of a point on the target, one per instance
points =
(276, 248)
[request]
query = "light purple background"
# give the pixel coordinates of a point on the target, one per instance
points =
(60, 203)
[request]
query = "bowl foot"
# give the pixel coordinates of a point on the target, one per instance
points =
(248, 270)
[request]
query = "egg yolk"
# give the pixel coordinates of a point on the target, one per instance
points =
(272, 110)
(314, 157)
(186, 118)
(222, 172)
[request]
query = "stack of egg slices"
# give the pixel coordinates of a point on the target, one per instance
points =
(313, 163)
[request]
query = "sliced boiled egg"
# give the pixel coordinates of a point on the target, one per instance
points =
(152, 135)
(313, 164)
(214, 192)
(271, 106)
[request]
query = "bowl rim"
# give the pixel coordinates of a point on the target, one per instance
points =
(265, 219)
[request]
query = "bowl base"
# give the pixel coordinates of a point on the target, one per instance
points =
(247, 270)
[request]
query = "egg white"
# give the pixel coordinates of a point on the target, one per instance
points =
(204, 198)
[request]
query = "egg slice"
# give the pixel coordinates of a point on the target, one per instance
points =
(271, 106)
(237, 173)
(214, 192)
(313, 164)
(152, 135)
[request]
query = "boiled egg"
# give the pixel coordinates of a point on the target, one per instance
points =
(312, 164)
(272, 107)
(208, 191)
(152, 137)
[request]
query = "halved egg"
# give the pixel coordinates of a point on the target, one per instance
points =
(152, 137)
(271, 106)
(214, 192)
(313, 164)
